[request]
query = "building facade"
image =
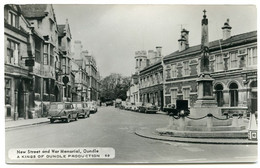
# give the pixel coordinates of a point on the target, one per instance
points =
(232, 65)
(147, 82)
(18, 77)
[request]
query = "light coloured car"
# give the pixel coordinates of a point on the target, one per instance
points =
(92, 106)
(83, 110)
(63, 111)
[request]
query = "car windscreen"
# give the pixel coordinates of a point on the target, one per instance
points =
(56, 106)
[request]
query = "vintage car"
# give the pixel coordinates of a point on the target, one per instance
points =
(92, 106)
(63, 111)
(118, 103)
(148, 108)
(136, 106)
(82, 108)
(181, 108)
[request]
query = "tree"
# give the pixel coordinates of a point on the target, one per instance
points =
(114, 86)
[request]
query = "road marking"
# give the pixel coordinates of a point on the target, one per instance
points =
(199, 159)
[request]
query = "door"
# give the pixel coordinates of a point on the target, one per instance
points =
(20, 101)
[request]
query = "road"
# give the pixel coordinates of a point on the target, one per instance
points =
(111, 127)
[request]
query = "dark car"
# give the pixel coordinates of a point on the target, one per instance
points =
(180, 108)
(148, 108)
(63, 111)
(82, 107)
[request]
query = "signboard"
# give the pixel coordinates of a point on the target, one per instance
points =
(29, 62)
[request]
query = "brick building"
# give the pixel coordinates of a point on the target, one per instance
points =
(232, 64)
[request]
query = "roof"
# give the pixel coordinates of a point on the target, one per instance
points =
(237, 39)
(34, 10)
(79, 62)
(61, 29)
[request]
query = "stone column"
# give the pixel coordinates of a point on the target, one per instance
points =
(15, 105)
(25, 94)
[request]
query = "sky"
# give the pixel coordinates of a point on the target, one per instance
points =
(112, 33)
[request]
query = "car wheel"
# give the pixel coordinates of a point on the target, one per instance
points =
(52, 120)
(67, 119)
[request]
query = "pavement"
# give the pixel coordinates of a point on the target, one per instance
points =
(25, 122)
(151, 134)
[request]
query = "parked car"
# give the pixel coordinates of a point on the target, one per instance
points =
(92, 106)
(136, 106)
(123, 105)
(82, 108)
(128, 106)
(148, 108)
(109, 103)
(118, 103)
(63, 111)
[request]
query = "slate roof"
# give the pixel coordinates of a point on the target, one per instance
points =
(34, 10)
(61, 29)
(236, 39)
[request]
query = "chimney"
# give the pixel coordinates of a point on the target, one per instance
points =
(226, 30)
(159, 51)
(184, 40)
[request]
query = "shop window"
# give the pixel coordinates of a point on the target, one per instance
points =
(233, 94)
(219, 95)
(7, 91)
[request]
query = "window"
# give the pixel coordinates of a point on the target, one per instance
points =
(174, 72)
(186, 95)
(38, 51)
(13, 19)
(7, 91)
(233, 94)
(173, 96)
(45, 54)
(12, 52)
(219, 62)
(219, 95)
(52, 56)
(186, 68)
(233, 60)
(252, 56)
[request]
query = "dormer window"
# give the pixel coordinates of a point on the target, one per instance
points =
(13, 19)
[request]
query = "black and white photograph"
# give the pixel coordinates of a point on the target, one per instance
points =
(129, 83)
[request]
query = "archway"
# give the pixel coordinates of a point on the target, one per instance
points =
(219, 95)
(233, 94)
(253, 96)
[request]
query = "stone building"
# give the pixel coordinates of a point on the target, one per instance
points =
(42, 19)
(90, 84)
(150, 77)
(232, 64)
(21, 44)
(92, 71)
(63, 67)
